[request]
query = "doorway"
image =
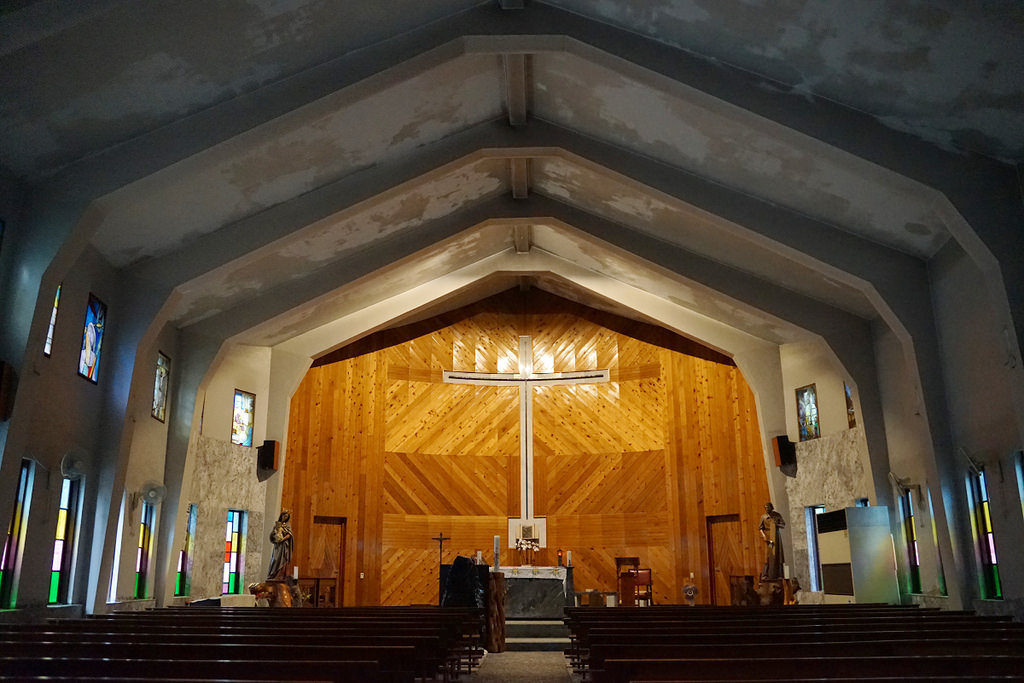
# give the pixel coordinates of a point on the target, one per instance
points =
(725, 556)
(336, 533)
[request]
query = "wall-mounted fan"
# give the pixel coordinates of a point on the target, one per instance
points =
(152, 492)
(72, 465)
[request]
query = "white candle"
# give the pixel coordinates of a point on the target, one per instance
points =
(497, 544)
(295, 572)
(568, 558)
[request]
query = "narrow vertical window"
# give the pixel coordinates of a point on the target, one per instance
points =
(977, 491)
(183, 577)
(242, 418)
(938, 555)
(807, 412)
(234, 549)
(851, 412)
(811, 513)
(910, 538)
(145, 545)
(1020, 479)
(10, 559)
(53, 322)
(92, 339)
(115, 571)
(64, 541)
(160, 384)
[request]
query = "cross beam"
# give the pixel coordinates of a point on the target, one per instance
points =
(526, 379)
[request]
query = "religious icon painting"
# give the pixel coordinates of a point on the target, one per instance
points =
(807, 412)
(242, 418)
(163, 374)
(851, 413)
(92, 339)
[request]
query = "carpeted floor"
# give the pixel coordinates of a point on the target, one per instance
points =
(523, 667)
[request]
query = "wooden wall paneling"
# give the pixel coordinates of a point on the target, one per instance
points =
(632, 467)
(693, 467)
(674, 430)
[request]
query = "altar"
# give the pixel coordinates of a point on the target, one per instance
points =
(537, 592)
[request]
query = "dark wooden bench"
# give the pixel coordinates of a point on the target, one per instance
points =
(16, 667)
(790, 668)
(900, 647)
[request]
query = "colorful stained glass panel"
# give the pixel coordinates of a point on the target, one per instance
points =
(92, 339)
(53, 322)
(807, 412)
(242, 418)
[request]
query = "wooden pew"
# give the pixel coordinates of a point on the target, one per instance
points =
(424, 649)
(790, 668)
(19, 668)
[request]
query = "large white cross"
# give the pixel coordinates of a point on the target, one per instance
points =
(526, 379)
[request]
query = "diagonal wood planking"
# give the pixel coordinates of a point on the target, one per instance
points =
(631, 467)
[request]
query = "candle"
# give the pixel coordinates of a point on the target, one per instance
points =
(568, 558)
(295, 572)
(497, 548)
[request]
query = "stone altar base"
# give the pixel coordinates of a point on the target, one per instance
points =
(537, 592)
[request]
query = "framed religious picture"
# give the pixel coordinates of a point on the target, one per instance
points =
(807, 412)
(243, 414)
(851, 413)
(92, 339)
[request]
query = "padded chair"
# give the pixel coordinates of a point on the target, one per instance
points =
(644, 593)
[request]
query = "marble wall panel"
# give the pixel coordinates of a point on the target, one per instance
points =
(223, 478)
(833, 471)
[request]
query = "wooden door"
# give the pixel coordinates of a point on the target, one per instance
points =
(332, 534)
(725, 554)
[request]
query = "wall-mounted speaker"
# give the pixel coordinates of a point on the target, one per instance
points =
(266, 457)
(8, 385)
(785, 451)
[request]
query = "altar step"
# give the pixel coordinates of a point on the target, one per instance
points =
(536, 635)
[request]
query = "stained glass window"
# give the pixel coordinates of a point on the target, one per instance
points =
(1020, 478)
(807, 412)
(977, 491)
(183, 577)
(64, 541)
(92, 339)
(53, 322)
(242, 418)
(938, 555)
(160, 384)
(15, 540)
(910, 537)
(234, 550)
(145, 544)
(851, 412)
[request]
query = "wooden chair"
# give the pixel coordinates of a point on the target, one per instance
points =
(626, 564)
(643, 592)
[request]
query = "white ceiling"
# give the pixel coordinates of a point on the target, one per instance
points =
(332, 157)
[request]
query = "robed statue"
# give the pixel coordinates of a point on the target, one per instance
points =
(281, 557)
(771, 527)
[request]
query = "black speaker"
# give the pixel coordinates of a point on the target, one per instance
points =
(8, 386)
(266, 457)
(785, 451)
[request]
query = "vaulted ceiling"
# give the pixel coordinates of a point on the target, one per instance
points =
(324, 158)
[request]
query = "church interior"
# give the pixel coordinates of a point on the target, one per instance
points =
(442, 277)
